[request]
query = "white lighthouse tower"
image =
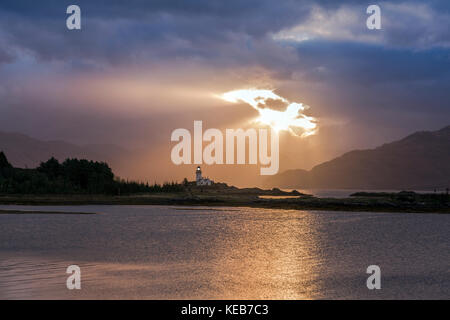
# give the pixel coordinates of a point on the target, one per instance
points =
(200, 181)
(198, 175)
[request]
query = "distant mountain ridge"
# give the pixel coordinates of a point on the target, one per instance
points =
(418, 161)
(23, 151)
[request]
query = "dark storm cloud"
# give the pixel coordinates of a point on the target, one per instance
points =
(404, 24)
(221, 32)
(5, 57)
(371, 64)
(418, 24)
(113, 30)
(118, 31)
(374, 84)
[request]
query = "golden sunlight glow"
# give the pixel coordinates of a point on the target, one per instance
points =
(290, 119)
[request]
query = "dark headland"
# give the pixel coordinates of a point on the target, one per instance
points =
(220, 195)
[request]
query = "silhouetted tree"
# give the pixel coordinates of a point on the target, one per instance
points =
(72, 176)
(4, 163)
(51, 168)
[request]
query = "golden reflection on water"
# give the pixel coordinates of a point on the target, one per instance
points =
(273, 257)
(249, 256)
(150, 252)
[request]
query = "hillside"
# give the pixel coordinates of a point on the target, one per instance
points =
(419, 161)
(26, 152)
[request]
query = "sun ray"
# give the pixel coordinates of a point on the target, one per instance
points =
(290, 119)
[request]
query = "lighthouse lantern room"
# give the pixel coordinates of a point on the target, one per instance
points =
(200, 181)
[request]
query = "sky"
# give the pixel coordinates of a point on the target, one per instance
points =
(137, 70)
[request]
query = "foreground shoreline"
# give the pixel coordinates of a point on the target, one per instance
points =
(4, 212)
(303, 202)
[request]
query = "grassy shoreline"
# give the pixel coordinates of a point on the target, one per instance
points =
(367, 204)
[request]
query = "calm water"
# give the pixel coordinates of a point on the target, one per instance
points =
(157, 252)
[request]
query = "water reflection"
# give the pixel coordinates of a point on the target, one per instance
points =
(269, 257)
(139, 252)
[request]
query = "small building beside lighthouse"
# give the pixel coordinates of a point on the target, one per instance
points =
(200, 181)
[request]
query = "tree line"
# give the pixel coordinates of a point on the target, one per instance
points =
(73, 176)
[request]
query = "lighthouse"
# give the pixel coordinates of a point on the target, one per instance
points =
(200, 181)
(198, 174)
